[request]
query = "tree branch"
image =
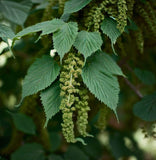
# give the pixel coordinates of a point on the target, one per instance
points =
(138, 93)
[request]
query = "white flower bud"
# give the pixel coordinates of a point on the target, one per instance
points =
(9, 42)
(52, 52)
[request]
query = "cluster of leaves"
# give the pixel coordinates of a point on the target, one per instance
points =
(66, 35)
(99, 75)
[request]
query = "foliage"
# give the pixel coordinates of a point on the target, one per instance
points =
(75, 5)
(145, 109)
(65, 37)
(145, 76)
(51, 100)
(24, 123)
(75, 62)
(32, 151)
(100, 82)
(34, 82)
(14, 11)
(108, 27)
(88, 42)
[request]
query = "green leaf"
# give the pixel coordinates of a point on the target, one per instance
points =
(131, 26)
(24, 123)
(64, 38)
(101, 83)
(55, 140)
(109, 28)
(93, 148)
(6, 32)
(107, 64)
(72, 6)
(40, 75)
(146, 108)
(145, 76)
(31, 151)
(15, 12)
(46, 27)
(75, 153)
(65, 17)
(51, 100)
(88, 42)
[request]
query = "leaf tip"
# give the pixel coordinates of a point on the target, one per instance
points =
(81, 140)
(116, 115)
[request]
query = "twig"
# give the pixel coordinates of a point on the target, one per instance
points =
(138, 93)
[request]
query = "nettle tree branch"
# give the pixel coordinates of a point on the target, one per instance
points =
(122, 64)
(134, 88)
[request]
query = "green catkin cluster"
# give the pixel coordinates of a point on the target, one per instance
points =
(139, 40)
(47, 15)
(112, 11)
(61, 5)
(146, 17)
(122, 15)
(95, 16)
(103, 116)
(130, 7)
(69, 76)
(97, 12)
(83, 108)
(151, 12)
